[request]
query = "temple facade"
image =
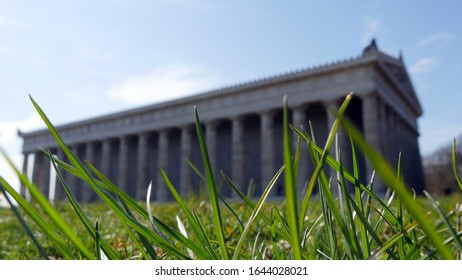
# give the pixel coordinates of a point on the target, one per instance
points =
(243, 130)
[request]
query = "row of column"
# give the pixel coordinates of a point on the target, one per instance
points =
(392, 135)
(245, 148)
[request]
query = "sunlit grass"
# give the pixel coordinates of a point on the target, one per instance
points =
(326, 224)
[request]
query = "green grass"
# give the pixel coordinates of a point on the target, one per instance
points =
(322, 225)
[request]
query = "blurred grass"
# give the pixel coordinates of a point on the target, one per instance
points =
(16, 245)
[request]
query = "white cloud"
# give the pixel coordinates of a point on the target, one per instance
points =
(9, 129)
(10, 22)
(10, 142)
(163, 84)
(424, 65)
(371, 26)
(443, 38)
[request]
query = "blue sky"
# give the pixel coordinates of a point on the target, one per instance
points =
(81, 59)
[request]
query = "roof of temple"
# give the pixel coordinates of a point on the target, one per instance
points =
(393, 68)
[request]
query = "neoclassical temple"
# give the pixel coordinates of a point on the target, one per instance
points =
(243, 130)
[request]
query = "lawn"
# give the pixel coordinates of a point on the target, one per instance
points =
(15, 244)
(319, 223)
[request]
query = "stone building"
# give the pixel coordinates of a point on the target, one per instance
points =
(243, 128)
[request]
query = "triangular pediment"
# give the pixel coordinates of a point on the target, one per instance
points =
(397, 72)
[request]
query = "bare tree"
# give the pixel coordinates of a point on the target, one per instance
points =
(438, 170)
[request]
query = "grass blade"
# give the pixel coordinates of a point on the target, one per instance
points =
(32, 212)
(104, 189)
(284, 234)
(50, 210)
(23, 223)
(324, 156)
(336, 166)
(212, 189)
(151, 217)
(454, 164)
(142, 244)
(389, 178)
(395, 238)
(200, 234)
(348, 216)
(108, 250)
(185, 234)
(359, 202)
(290, 184)
(445, 220)
(255, 214)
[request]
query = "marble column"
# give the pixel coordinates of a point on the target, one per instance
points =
(211, 141)
(371, 121)
(371, 129)
(123, 164)
(162, 190)
(185, 169)
(238, 157)
(60, 194)
(418, 180)
(41, 172)
(87, 192)
(409, 150)
(52, 182)
(404, 148)
(399, 136)
(25, 166)
(332, 108)
(106, 158)
(30, 174)
(393, 150)
(384, 131)
(341, 145)
(212, 149)
(372, 132)
(36, 167)
(299, 120)
(72, 180)
(267, 149)
(142, 170)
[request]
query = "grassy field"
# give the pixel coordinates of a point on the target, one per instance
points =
(15, 244)
(330, 223)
